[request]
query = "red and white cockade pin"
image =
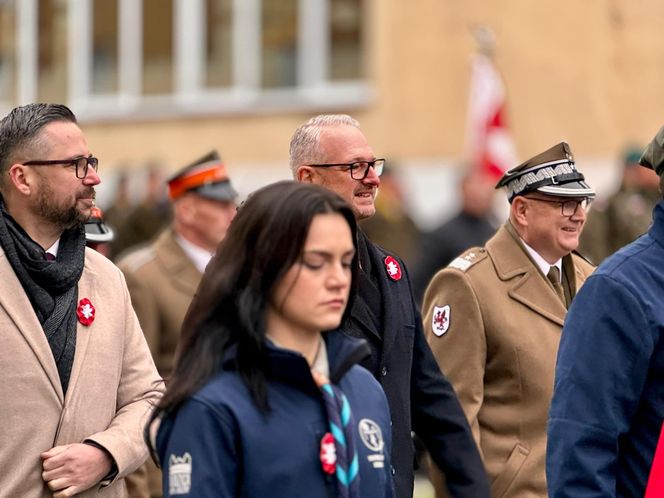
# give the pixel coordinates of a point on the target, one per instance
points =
(393, 268)
(328, 454)
(85, 312)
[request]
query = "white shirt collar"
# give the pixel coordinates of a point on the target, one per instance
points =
(542, 264)
(199, 256)
(54, 248)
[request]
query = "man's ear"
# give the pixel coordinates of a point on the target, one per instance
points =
(185, 209)
(21, 178)
(305, 174)
(518, 210)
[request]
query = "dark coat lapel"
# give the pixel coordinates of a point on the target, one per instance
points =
(392, 294)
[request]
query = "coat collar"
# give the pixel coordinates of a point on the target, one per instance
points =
(390, 296)
(18, 308)
(177, 265)
(291, 367)
(527, 285)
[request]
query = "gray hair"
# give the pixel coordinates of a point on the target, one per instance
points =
(20, 128)
(304, 146)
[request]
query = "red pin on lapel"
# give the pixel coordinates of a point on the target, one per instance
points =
(85, 312)
(393, 268)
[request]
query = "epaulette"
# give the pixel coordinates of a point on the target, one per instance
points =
(135, 260)
(468, 259)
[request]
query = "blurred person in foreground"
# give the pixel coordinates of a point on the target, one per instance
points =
(608, 401)
(331, 151)
(78, 379)
(471, 226)
(391, 227)
(625, 215)
(493, 317)
(267, 399)
(163, 275)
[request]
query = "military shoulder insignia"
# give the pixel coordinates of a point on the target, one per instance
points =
(468, 259)
(440, 319)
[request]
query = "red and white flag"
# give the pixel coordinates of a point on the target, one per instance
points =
(489, 144)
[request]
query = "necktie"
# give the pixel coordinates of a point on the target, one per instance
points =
(339, 417)
(554, 278)
(49, 257)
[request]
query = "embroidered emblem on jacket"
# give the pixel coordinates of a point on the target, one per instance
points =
(179, 474)
(372, 437)
(440, 319)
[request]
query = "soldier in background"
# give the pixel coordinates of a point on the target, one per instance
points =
(624, 216)
(148, 218)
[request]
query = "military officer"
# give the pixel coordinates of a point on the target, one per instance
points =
(493, 317)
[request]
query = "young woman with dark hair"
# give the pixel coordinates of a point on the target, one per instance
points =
(263, 402)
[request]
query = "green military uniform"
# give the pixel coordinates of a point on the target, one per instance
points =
(616, 222)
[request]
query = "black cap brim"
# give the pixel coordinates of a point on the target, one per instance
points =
(571, 189)
(98, 232)
(218, 191)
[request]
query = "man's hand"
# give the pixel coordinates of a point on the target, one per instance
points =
(73, 468)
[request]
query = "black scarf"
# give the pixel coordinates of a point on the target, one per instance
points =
(51, 286)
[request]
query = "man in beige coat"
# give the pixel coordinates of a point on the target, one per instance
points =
(78, 379)
(493, 318)
(163, 276)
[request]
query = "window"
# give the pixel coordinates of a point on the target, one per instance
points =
(105, 47)
(279, 43)
(346, 39)
(218, 40)
(157, 47)
(123, 58)
(52, 60)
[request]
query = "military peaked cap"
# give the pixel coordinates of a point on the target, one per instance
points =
(95, 228)
(206, 177)
(552, 172)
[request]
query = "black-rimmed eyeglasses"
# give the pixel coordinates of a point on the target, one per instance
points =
(81, 164)
(358, 170)
(567, 208)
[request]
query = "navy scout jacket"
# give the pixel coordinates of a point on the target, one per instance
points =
(219, 444)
